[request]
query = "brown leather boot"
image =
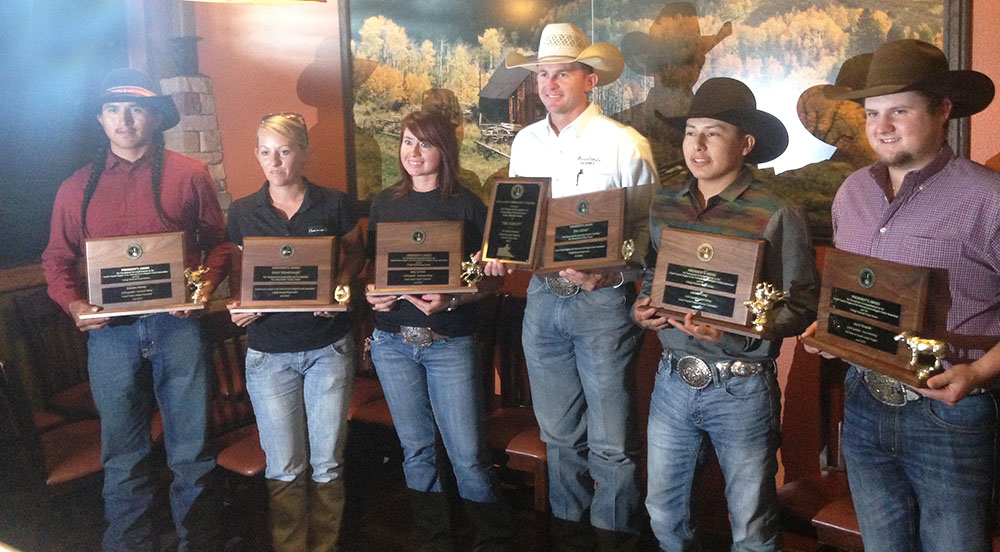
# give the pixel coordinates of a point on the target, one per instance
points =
(326, 509)
(289, 502)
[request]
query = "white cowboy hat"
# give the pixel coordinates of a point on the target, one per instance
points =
(566, 43)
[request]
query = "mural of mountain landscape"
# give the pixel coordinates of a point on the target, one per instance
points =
(449, 54)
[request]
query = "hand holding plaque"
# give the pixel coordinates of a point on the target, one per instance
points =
(871, 312)
(587, 232)
(291, 274)
(422, 257)
(133, 275)
(716, 276)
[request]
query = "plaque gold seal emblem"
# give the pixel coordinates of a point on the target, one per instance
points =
(418, 236)
(706, 252)
(583, 207)
(287, 250)
(517, 191)
(133, 251)
(866, 277)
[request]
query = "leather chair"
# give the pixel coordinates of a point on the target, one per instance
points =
(511, 427)
(58, 356)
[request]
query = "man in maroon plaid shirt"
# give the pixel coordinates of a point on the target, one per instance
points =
(921, 463)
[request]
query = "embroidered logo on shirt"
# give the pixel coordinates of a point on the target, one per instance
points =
(585, 161)
(317, 230)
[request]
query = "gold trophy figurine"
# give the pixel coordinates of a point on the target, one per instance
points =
(342, 294)
(196, 285)
(471, 272)
(922, 350)
(765, 297)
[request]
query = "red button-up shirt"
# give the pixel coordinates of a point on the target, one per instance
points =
(123, 205)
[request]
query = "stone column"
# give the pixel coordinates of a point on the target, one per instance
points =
(197, 135)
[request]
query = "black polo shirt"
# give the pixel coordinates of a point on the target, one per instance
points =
(324, 212)
(427, 206)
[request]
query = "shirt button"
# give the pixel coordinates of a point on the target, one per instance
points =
(882, 230)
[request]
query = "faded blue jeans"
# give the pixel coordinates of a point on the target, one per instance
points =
(741, 418)
(580, 352)
(436, 384)
(124, 388)
(922, 474)
(300, 400)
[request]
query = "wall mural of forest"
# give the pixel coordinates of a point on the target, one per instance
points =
(450, 54)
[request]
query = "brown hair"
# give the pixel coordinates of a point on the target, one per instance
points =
(436, 128)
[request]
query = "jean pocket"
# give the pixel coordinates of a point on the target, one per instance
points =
(255, 360)
(747, 388)
(535, 284)
(345, 346)
(379, 337)
(976, 414)
(607, 298)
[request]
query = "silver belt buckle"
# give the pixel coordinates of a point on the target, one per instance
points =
(885, 389)
(694, 371)
(561, 286)
(414, 335)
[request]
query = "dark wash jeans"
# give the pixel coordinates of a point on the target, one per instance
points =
(922, 474)
(124, 388)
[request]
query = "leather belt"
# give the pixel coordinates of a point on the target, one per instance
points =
(698, 374)
(561, 286)
(416, 335)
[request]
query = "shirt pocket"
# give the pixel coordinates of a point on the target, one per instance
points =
(595, 179)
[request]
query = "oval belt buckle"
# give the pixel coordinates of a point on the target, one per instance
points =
(886, 390)
(695, 372)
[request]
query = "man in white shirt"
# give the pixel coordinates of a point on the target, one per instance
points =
(579, 339)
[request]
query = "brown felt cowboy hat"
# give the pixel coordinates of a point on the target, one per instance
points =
(673, 39)
(822, 112)
(566, 43)
(730, 100)
(910, 64)
(130, 85)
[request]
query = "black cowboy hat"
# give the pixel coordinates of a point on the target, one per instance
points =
(130, 85)
(910, 64)
(730, 100)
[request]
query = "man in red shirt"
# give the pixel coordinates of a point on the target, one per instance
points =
(134, 186)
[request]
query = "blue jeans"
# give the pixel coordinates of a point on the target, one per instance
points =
(436, 383)
(579, 352)
(922, 474)
(741, 418)
(300, 400)
(124, 388)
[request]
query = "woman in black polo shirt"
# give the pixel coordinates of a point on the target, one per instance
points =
(424, 346)
(300, 366)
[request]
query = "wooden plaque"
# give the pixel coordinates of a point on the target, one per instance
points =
(712, 274)
(419, 257)
(864, 303)
(142, 274)
(515, 221)
(586, 232)
(289, 274)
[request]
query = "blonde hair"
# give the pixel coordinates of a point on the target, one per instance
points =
(290, 125)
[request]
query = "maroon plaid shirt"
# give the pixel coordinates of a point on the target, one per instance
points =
(946, 216)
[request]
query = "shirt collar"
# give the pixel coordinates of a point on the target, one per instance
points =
(113, 162)
(731, 192)
(880, 172)
(262, 198)
(580, 123)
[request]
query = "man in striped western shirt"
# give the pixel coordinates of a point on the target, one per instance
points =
(921, 464)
